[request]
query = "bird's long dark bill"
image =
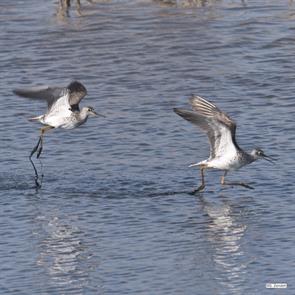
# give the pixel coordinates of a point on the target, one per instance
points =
(96, 114)
(269, 159)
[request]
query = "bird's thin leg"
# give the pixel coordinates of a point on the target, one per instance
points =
(64, 6)
(35, 148)
(60, 9)
(38, 147)
(36, 173)
(223, 178)
(234, 183)
(30, 158)
(79, 8)
(41, 146)
(42, 174)
(202, 186)
(43, 130)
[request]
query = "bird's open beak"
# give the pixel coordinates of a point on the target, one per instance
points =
(268, 158)
(96, 114)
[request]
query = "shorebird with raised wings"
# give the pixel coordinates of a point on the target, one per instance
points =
(62, 109)
(225, 154)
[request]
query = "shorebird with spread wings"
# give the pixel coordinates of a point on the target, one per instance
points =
(63, 109)
(225, 154)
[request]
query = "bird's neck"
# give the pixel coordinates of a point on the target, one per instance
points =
(251, 158)
(83, 116)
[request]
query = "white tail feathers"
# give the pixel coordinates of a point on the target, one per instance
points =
(192, 165)
(199, 164)
(38, 118)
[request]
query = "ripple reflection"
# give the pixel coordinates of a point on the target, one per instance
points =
(64, 255)
(225, 234)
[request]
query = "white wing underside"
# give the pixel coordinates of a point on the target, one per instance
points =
(218, 126)
(222, 149)
(222, 143)
(59, 113)
(222, 152)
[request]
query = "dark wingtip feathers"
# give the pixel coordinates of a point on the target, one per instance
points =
(177, 111)
(17, 91)
(182, 113)
(21, 92)
(76, 86)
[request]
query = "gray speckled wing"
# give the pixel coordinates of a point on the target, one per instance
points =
(203, 123)
(49, 94)
(77, 92)
(219, 127)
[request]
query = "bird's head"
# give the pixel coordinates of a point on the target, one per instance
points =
(258, 153)
(89, 111)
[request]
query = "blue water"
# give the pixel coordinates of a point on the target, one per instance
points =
(114, 215)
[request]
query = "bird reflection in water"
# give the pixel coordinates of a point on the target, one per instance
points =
(63, 256)
(65, 5)
(225, 234)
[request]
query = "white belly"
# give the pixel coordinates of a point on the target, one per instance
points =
(60, 122)
(225, 163)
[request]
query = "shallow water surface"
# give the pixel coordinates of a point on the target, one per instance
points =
(114, 215)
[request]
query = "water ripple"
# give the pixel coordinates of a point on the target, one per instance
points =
(115, 214)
